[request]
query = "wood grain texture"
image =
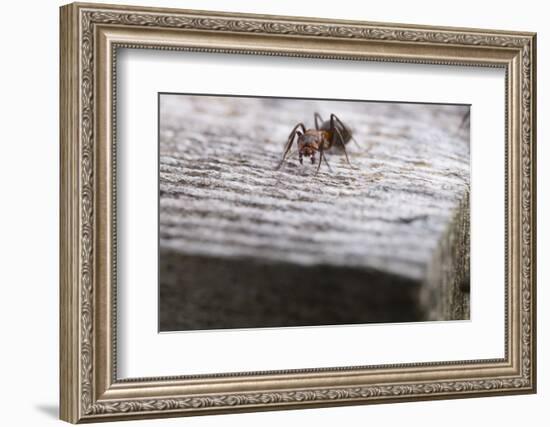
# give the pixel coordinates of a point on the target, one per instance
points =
(244, 245)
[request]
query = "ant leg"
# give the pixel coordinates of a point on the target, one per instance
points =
(343, 146)
(344, 128)
(335, 131)
(324, 157)
(321, 157)
(318, 121)
(288, 146)
(327, 163)
(291, 139)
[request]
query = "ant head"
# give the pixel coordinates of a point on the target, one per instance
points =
(306, 150)
(308, 144)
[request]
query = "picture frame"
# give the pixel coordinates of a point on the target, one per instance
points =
(90, 37)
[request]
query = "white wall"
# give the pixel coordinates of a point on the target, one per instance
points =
(29, 170)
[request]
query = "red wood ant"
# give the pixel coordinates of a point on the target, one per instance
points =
(325, 135)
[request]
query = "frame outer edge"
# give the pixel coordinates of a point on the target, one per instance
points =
(290, 18)
(69, 354)
(77, 340)
(533, 201)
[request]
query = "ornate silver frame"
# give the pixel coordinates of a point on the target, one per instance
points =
(90, 35)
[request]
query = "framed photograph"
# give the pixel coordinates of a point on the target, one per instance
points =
(266, 212)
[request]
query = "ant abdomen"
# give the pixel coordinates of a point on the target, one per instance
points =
(342, 137)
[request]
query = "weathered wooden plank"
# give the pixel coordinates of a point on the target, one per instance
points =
(244, 245)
